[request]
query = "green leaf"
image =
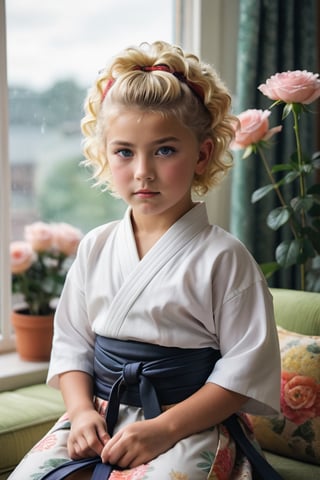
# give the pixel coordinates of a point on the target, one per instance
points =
(287, 253)
(306, 168)
(313, 348)
(278, 217)
(316, 156)
(261, 192)
(290, 177)
(298, 108)
(313, 275)
(281, 167)
(304, 160)
(302, 204)
(277, 102)
(306, 250)
(205, 465)
(287, 110)
(248, 151)
(314, 236)
(278, 424)
(305, 431)
(268, 269)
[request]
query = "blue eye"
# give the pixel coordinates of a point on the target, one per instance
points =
(124, 152)
(166, 151)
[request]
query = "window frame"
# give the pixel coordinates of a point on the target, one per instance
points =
(6, 336)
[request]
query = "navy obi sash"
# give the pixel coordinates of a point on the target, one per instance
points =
(146, 375)
(175, 373)
(149, 376)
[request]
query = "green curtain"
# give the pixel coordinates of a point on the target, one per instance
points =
(274, 36)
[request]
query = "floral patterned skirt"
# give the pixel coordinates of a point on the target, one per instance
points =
(208, 455)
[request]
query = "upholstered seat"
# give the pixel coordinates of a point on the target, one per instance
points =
(297, 311)
(27, 414)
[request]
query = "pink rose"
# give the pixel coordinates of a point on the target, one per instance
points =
(292, 87)
(254, 127)
(46, 443)
(39, 235)
(137, 473)
(66, 238)
(21, 257)
(300, 397)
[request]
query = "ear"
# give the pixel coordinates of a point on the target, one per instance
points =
(205, 152)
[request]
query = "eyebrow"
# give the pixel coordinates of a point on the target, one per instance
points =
(156, 142)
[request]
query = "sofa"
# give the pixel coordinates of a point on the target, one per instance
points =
(27, 413)
(291, 440)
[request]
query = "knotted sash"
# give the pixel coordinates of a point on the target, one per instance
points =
(169, 374)
(148, 376)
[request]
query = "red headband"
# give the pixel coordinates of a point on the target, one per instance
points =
(196, 89)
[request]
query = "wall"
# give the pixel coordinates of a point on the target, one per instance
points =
(209, 28)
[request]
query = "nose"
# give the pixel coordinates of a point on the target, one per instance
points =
(144, 168)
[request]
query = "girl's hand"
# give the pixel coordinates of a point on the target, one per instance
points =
(137, 443)
(143, 441)
(88, 435)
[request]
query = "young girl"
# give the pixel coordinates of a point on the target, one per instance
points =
(160, 304)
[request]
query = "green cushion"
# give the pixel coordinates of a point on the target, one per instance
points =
(291, 469)
(297, 311)
(26, 415)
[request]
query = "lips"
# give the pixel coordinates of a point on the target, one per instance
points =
(146, 193)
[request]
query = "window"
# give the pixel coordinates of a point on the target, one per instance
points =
(53, 54)
(54, 51)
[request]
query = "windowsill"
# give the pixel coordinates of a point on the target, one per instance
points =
(16, 373)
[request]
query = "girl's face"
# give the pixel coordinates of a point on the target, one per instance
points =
(153, 160)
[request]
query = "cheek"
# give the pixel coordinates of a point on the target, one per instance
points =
(180, 173)
(172, 173)
(120, 175)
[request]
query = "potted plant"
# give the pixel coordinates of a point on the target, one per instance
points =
(39, 265)
(292, 90)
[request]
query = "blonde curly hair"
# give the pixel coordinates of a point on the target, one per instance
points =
(179, 84)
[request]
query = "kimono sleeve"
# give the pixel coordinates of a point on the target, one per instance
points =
(73, 340)
(250, 362)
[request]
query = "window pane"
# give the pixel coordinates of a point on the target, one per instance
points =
(55, 50)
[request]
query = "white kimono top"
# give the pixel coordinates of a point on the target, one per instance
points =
(197, 287)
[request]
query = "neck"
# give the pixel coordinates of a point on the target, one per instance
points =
(148, 229)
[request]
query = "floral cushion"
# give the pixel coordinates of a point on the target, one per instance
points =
(295, 432)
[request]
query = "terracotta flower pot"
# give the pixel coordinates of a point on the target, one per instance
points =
(33, 335)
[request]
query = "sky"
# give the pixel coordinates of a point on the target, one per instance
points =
(57, 39)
